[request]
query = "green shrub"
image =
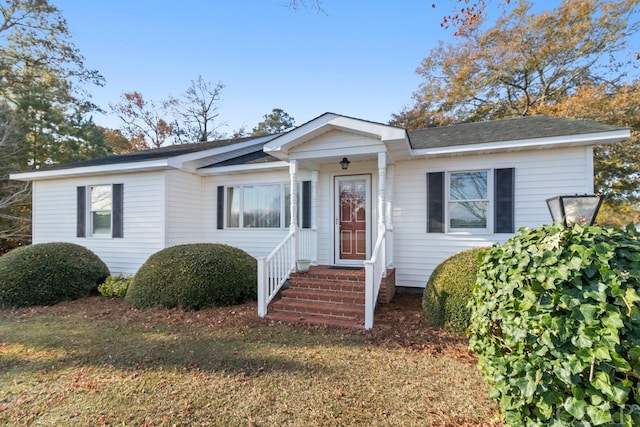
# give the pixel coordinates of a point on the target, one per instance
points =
(115, 286)
(556, 325)
(195, 276)
(448, 292)
(47, 273)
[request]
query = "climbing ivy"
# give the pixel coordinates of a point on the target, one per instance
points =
(556, 325)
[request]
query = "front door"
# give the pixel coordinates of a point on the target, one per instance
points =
(353, 219)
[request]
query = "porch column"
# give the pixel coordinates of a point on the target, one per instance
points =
(390, 182)
(382, 181)
(314, 200)
(293, 205)
(314, 215)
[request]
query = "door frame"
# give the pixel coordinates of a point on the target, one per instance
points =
(336, 219)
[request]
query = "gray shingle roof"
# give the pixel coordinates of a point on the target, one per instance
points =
(154, 154)
(503, 130)
(246, 159)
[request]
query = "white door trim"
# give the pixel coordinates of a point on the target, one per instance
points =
(336, 218)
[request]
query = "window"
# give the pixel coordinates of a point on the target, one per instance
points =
(100, 215)
(100, 211)
(471, 201)
(468, 200)
(258, 206)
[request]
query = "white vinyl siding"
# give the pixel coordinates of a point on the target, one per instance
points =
(539, 174)
(184, 208)
(54, 218)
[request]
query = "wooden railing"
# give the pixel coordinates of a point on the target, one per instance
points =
(274, 270)
(374, 270)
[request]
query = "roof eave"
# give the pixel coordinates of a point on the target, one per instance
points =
(526, 144)
(222, 170)
(152, 165)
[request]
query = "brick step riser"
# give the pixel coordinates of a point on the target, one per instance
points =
(328, 278)
(322, 279)
(334, 315)
(340, 311)
(345, 299)
(327, 286)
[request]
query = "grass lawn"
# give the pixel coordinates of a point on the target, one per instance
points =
(96, 361)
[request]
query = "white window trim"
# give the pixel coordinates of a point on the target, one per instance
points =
(284, 207)
(490, 196)
(89, 213)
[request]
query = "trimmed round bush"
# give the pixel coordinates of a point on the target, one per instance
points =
(556, 326)
(47, 273)
(195, 276)
(448, 292)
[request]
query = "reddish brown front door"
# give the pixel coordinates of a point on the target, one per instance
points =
(352, 217)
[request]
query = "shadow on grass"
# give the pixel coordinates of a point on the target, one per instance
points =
(46, 343)
(107, 332)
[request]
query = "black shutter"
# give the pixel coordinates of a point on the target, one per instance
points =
(117, 210)
(81, 224)
(435, 202)
(504, 183)
(306, 204)
(220, 208)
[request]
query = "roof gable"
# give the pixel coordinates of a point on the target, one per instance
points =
(329, 122)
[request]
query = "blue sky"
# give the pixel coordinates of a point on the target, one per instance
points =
(358, 59)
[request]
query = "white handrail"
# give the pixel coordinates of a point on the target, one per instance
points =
(374, 270)
(273, 272)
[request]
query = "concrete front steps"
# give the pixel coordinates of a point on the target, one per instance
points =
(325, 296)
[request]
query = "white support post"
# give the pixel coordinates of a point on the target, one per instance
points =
(314, 213)
(314, 199)
(390, 183)
(263, 286)
(382, 182)
(293, 225)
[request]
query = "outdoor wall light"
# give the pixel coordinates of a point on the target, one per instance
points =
(344, 163)
(577, 209)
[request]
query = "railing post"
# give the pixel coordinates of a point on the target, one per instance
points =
(263, 286)
(293, 226)
(369, 306)
(391, 172)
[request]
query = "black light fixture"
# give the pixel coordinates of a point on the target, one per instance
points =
(577, 209)
(344, 163)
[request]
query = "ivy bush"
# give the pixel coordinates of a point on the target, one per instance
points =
(115, 286)
(195, 276)
(556, 326)
(446, 297)
(47, 273)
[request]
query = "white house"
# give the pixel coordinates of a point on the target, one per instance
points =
(337, 190)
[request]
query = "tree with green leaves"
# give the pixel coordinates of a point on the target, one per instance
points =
(551, 62)
(42, 87)
(277, 121)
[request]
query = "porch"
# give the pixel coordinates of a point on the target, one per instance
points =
(344, 293)
(348, 221)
